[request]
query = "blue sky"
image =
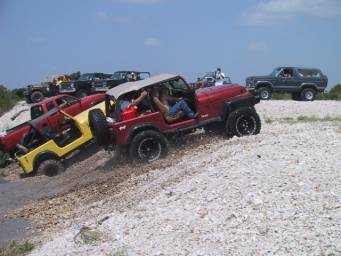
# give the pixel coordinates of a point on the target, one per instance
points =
(39, 38)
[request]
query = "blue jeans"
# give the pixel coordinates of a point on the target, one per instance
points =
(181, 106)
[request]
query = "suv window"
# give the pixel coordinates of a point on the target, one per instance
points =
(36, 111)
(309, 73)
(286, 72)
(49, 105)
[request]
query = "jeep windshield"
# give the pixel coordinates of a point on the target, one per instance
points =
(118, 76)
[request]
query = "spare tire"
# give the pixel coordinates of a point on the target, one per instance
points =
(99, 127)
(36, 96)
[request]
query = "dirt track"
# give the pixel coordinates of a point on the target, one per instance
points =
(240, 188)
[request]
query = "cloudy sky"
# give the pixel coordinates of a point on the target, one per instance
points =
(39, 38)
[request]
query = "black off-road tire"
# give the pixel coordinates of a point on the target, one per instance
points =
(99, 127)
(82, 93)
(148, 146)
(264, 93)
(36, 96)
(308, 94)
(50, 167)
(243, 121)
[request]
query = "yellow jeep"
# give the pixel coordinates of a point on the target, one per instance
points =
(48, 149)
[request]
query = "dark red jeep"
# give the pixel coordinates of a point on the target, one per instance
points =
(145, 131)
(71, 105)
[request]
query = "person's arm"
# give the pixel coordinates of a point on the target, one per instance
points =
(135, 102)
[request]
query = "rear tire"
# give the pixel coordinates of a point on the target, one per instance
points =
(82, 93)
(99, 127)
(308, 94)
(264, 93)
(36, 96)
(50, 167)
(243, 121)
(148, 146)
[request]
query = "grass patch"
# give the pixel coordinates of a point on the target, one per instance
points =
(17, 249)
(268, 120)
(303, 119)
(87, 235)
(308, 119)
(120, 252)
(281, 96)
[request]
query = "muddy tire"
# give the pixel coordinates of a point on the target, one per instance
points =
(243, 121)
(36, 96)
(308, 94)
(99, 127)
(148, 146)
(82, 93)
(50, 167)
(264, 93)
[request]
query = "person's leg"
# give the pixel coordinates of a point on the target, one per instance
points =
(181, 106)
(162, 108)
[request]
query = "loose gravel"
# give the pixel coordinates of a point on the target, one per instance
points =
(277, 193)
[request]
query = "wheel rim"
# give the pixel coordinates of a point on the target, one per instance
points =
(246, 125)
(309, 95)
(264, 94)
(149, 149)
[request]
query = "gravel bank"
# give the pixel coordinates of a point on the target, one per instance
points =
(277, 193)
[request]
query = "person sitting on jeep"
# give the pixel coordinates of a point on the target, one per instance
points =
(126, 103)
(173, 108)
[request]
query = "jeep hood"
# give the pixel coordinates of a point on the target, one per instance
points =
(220, 92)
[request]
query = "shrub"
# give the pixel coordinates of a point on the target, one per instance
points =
(335, 92)
(8, 99)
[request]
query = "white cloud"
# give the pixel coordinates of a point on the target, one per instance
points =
(151, 42)
(101, 15)
(274, 11)
(257, 46)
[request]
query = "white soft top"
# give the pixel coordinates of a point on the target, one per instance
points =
(137, 85)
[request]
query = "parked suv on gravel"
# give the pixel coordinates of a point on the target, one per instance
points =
(144, 131)
(302, 83)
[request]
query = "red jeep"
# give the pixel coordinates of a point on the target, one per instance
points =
(71, 105)
(144, 131)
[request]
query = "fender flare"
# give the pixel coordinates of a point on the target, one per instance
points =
(42, 156)
(231, 105)
(263, 84)
(140, 127)
(308, 85)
